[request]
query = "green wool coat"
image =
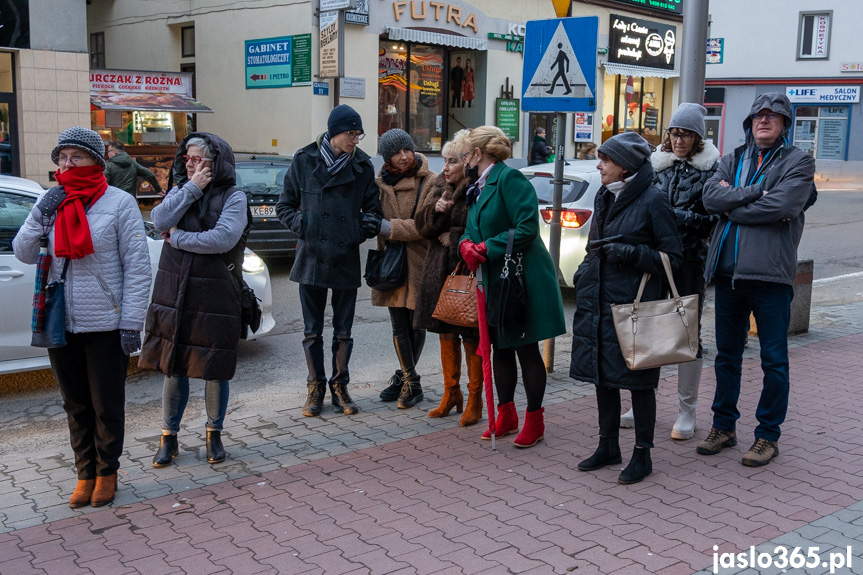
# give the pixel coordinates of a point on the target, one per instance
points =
(509, 201)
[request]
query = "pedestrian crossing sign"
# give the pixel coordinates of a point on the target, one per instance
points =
(559, 73)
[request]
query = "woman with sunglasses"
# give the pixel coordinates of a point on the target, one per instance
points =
(205, 221)
(96, 235)
(682, 165)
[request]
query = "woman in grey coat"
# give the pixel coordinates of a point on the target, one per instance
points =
(97, 231)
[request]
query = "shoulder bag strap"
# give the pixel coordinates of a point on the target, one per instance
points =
(667, 265)
(504, 272)
(417, 202)
(65, 267)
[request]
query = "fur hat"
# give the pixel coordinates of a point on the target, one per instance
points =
(342, 119)
(83, 139)
(393, 141)
(690, 117)
(628, 150)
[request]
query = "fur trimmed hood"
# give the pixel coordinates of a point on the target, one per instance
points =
(703, 160)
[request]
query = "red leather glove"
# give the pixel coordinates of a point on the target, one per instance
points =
(473, 254)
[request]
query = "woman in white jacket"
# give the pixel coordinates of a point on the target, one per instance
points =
(99, 231)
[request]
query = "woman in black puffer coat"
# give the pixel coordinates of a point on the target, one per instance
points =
(632, 222)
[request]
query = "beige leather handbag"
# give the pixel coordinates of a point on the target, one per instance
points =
(656, 333)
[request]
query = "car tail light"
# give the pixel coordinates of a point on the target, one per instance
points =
(568, 218)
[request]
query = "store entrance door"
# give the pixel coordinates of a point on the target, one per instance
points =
(713, 124)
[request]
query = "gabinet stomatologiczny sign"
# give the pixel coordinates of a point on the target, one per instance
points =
(641, 42)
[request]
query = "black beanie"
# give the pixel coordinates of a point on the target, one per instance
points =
(628, 150)
(342, 119)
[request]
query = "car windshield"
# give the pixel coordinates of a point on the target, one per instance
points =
(261, 178)
(544, 186)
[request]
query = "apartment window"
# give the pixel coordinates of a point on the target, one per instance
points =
(188, 40)
(814, 35)
(97, 50)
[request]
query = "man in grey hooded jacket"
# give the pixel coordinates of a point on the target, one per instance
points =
(760, 192)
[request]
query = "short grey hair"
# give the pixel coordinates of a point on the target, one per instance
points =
(200, 143)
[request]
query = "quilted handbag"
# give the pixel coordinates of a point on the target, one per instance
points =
(656, 333)
(456, 304)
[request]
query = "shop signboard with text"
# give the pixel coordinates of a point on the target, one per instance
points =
(641, 42)
(15, 24)
(280, 62)
(331, 42)
(823, 94)
(508, 115)
(659, 6)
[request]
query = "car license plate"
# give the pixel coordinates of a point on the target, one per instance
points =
(263, 211)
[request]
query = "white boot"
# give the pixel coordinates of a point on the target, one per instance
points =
(627, 420)
(688, 380)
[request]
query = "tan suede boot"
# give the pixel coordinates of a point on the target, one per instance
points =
(105, 489)
(81, 495)
(450, 357)
(473, 411)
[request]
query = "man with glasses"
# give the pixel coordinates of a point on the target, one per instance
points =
(759, 192)
(331, 202)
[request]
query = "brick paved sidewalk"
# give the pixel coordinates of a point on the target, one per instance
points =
(443, 502)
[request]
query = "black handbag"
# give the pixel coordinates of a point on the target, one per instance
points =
(250, 316)
(53, 332)
(387, 269)
(507, 298)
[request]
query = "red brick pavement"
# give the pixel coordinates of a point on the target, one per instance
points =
(445, 503)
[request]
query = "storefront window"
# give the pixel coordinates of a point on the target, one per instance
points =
(392, 86)
(8, 139)
(632, 104)
(822, 131)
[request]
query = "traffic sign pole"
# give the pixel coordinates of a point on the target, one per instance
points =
(555, 232)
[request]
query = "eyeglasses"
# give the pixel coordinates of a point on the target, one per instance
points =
(355, 135)
(74, 160)
(681, 135)
(465, 156)
(768, 117)
(194, 159)
(453, 161)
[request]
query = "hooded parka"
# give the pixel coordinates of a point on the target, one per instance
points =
(193, 324)
(640, 216)
(123, 172)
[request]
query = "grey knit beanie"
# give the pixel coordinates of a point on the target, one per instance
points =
(393, 141)
(628, 150)
(690, 117)
(83, 139)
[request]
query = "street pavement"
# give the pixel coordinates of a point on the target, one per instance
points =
(394, 491)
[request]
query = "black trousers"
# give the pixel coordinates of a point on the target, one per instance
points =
(313, 301)
(91, 374)
(643, 411)
(532, 373)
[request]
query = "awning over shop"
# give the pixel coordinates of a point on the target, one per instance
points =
(425, 37)
(613, 68)
(147, 101)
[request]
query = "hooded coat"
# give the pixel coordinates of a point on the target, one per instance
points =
(123, 172)
(768, 225)
(640, 216)
(193, 323)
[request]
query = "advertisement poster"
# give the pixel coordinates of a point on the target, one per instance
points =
(279, 62)
(714, 50)
(641, 42)
(329, 43)
(583, 130)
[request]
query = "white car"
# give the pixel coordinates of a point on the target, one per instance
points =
(17, 196)
(579, 190)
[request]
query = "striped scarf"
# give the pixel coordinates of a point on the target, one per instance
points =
(333, 164)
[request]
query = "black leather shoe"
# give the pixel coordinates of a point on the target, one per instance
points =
(411, 394)
(215, 451)
(315, 401)
(608, 453)
(342, 399)
(394, 387)
(168, 450)
(640, 466)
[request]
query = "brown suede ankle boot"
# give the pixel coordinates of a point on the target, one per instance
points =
(473, 411)
(450, 357)
(81, 495)
(103, 494)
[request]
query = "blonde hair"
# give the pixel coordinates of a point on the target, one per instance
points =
(455, 147)
(492, 141)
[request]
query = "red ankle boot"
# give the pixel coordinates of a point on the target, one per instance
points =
(533, 431)
(507, 421)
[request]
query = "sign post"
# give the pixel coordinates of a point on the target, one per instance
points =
(559, 76)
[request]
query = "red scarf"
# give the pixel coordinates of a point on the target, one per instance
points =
(84, 186)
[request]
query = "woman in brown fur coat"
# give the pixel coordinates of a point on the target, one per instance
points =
(405, 182)
(442, 222)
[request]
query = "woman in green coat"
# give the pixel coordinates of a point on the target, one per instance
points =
(501, 199)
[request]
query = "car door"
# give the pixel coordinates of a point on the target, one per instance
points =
(16, 280)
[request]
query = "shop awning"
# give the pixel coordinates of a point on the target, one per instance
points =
(425, 37)
(150, 102)
(613, 68)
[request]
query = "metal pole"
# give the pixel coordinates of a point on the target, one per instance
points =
(693, 51)
(554, 235)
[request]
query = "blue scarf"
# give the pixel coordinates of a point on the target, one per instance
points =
(333, 164)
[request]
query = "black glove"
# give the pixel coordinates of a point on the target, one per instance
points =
(371, 224)
(618, 253)
(49, 202)
(682, 216)
(130, 341)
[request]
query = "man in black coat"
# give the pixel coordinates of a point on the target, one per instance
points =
(331, 202)
(539, 149)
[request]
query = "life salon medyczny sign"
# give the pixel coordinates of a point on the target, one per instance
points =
(824, 94)
(641, 42)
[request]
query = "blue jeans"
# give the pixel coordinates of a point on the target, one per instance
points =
(175, 396)
(770, 303)
(313, 301)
